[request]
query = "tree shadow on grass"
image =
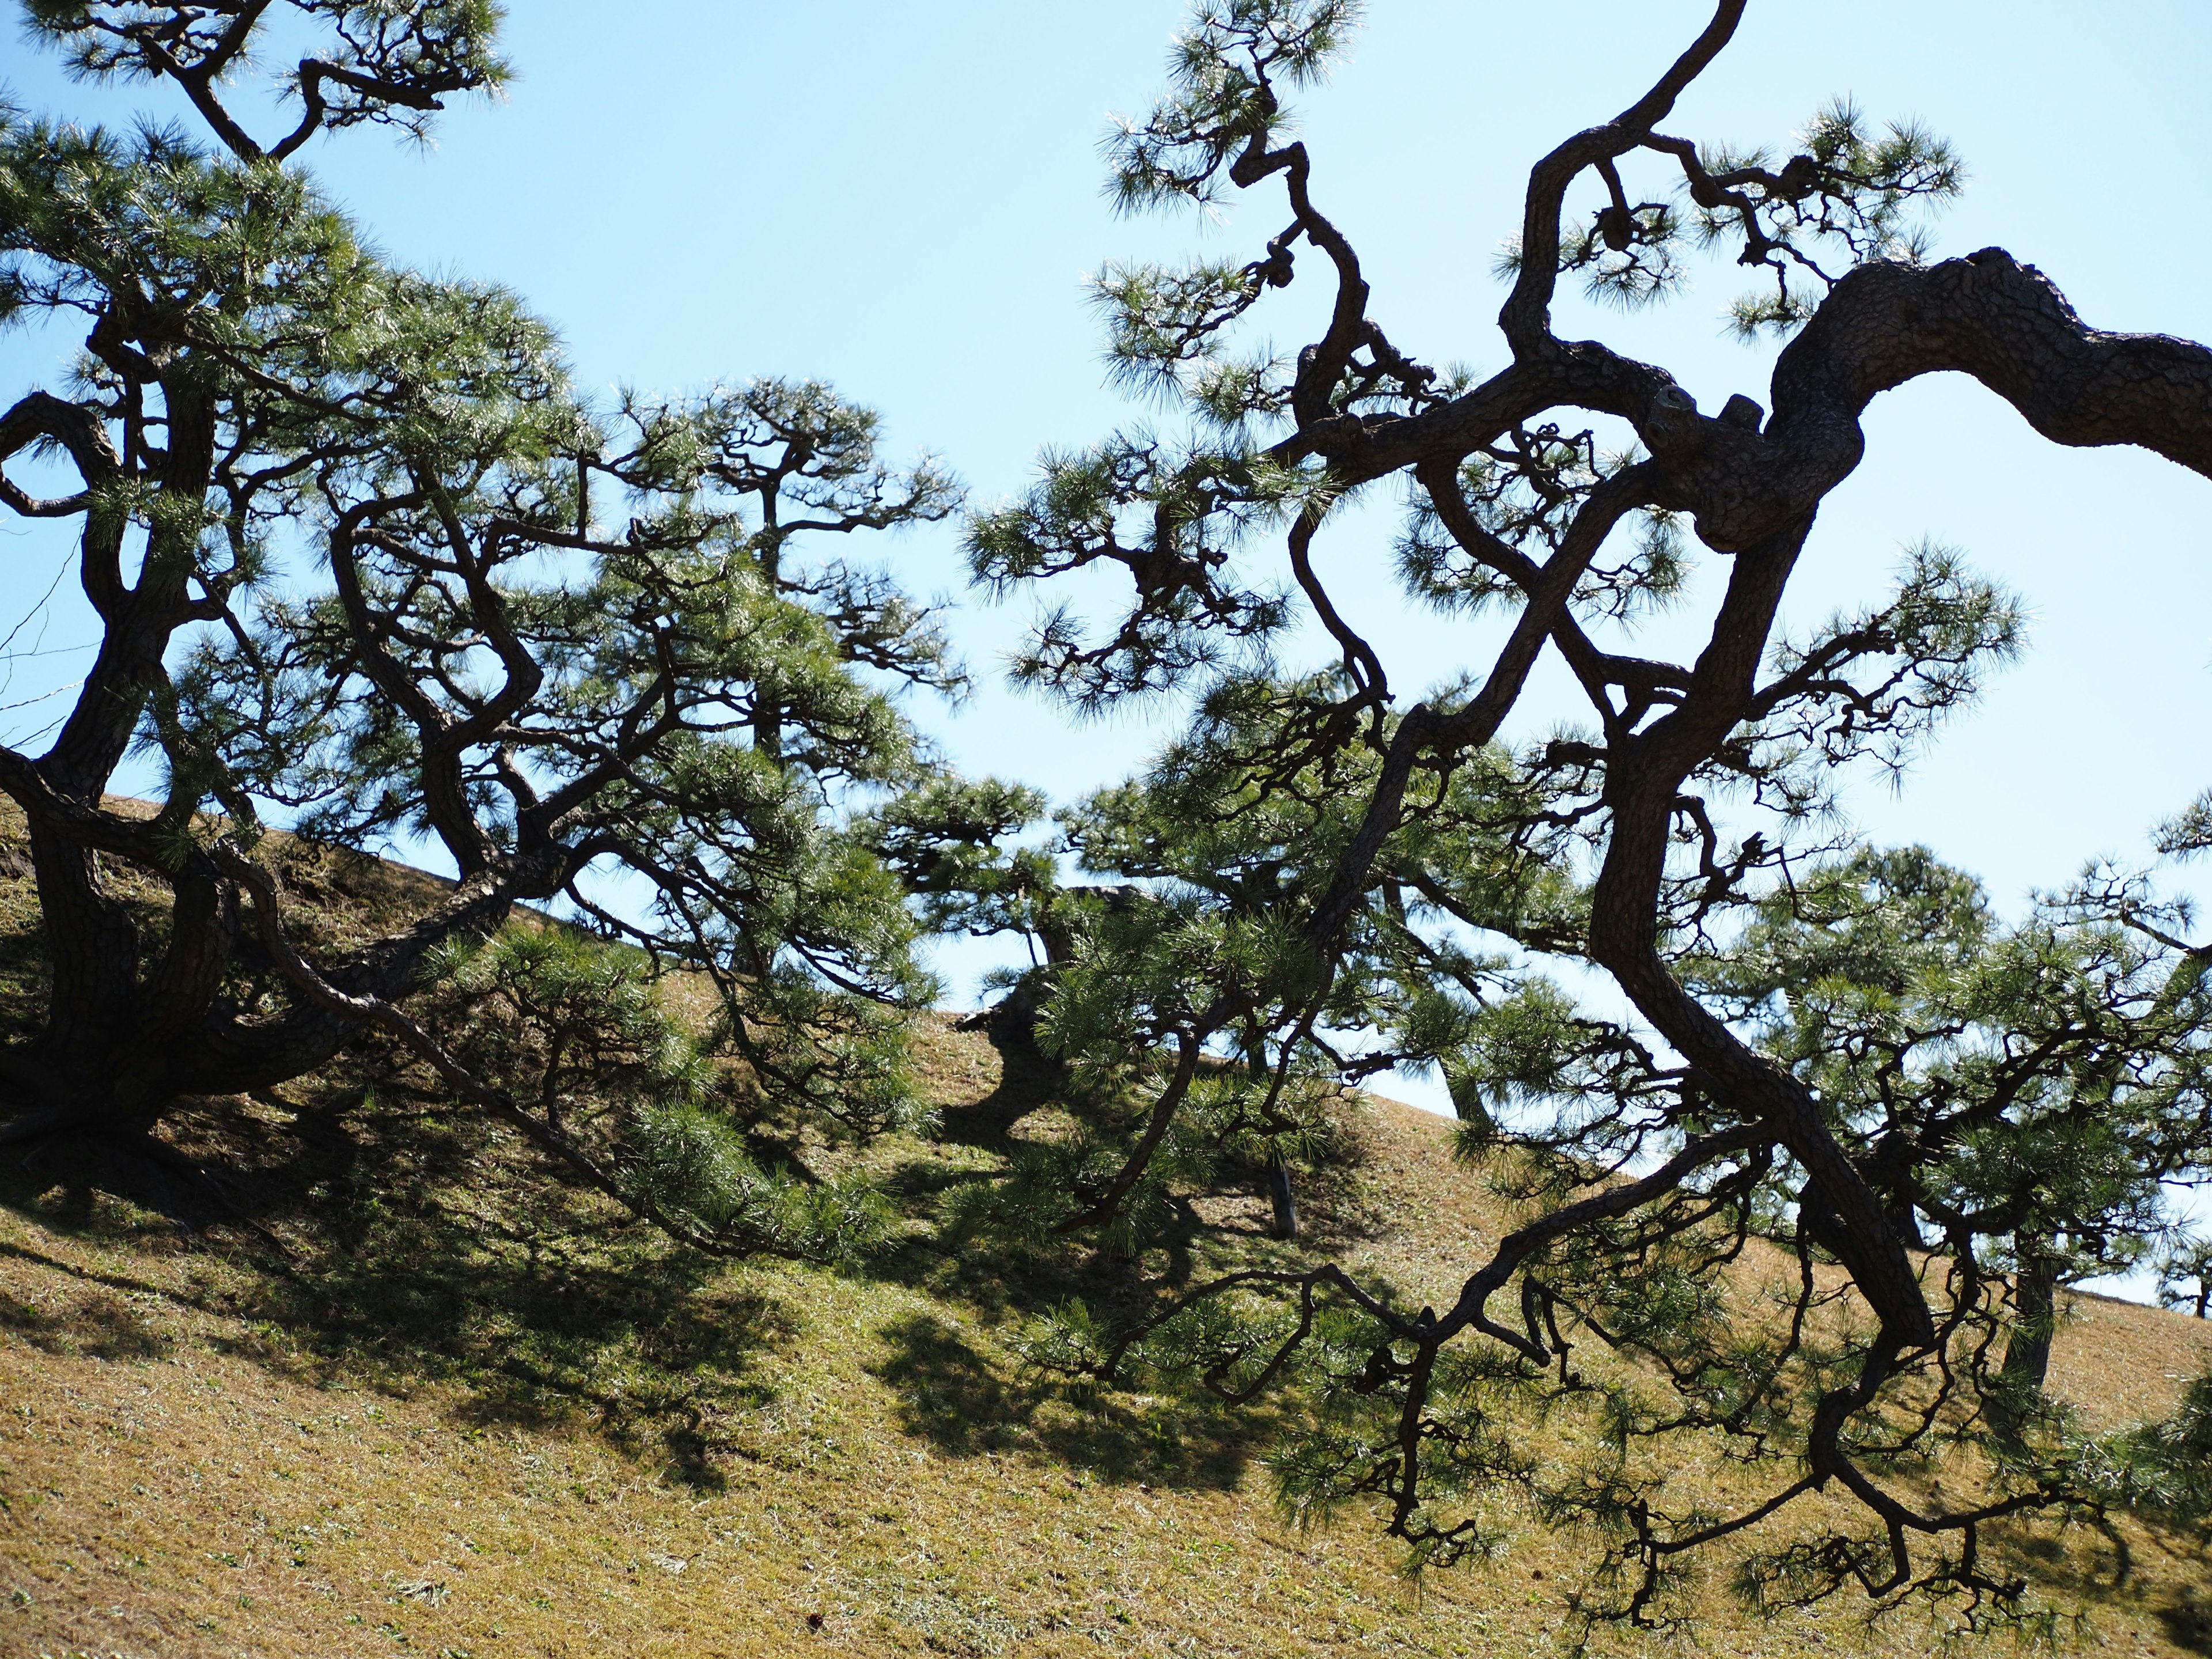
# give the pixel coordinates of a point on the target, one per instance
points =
(454, 1254)
(961, 1401)
(95, 1324)
(1001, 1274)
(408, 1244)
(2105, 1567)
(2187, 1621)
(969, 1400)
(1027, 1076)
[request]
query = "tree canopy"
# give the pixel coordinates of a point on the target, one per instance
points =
(566, 645)
(1838, 1048)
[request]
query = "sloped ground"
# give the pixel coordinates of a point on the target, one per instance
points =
(470, 1423)
(468, 1411)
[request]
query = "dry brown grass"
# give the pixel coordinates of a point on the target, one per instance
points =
(2116, 1362)
(473, 1413)
(197, 1458)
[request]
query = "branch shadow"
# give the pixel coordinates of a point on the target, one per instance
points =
(2187, 1622)
(408, 1244)
(1028, 1079)
(94, 1325)
(958, 1399)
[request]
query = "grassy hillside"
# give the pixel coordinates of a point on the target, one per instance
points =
(398, 1394)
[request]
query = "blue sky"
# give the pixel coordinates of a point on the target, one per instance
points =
(904, 200)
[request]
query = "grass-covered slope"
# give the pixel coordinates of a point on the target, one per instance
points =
(399, 1392)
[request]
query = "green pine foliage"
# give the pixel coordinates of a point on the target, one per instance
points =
(403, 586)
(380, 63)
(581, 1031)
(1814, 1230)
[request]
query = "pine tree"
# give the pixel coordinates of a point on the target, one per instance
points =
(1834, 1050)
(558, 644)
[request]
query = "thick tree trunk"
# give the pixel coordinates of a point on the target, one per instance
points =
(121, 1019)
(92, 946)
(2027, 1355)
(135, 1025)
(122, 1033)
(114, 1027)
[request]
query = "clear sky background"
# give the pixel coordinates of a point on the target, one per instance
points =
(904, 200)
